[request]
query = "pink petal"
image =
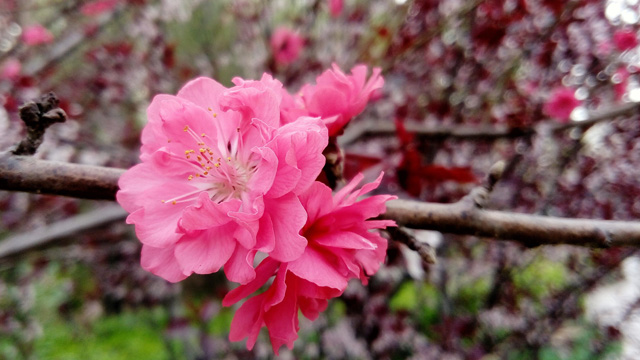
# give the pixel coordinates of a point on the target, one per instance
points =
(316, 268)
(288, 218)
(264, 271)
(239, 268)
(247, 321)
(345, 240)
(205, 252)
(161, 262)
(317, 201)
(204, 92)
(282, 322)
(205, 213)
(311, 308)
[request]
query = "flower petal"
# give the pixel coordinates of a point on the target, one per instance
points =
(162, 262)
(205, 252)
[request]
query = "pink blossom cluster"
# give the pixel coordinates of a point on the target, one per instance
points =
(230, 173)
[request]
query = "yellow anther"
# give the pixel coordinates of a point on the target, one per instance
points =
(200, 143)
(203, 134)
(209, 109)
(228, 158)
(206, 173)
(215, 115)
(186, 128)
(202, 150)
(199, 158)
(188, 156)
(208, 167)
(190, 177)
(197, 175)
(173, 202)
(162, 201)
(187, 152)
(168, 140)
(217, 165)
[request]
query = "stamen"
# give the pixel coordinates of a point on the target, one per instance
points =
(186, 128)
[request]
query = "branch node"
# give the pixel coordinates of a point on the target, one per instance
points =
(606, 239)
(38, 116)
(402, 235)
(479, 196)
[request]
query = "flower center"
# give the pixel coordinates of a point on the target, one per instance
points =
(218, 169)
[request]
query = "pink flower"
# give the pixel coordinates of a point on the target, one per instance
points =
(10, 69)
(625, 39)
(340, 247)
(335, 7)
(561, 103)
(98, 7)
(220, 179)
(336, 97)
(286, 45)
(36, 35)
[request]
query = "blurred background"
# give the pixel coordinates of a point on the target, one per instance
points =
(550, 87)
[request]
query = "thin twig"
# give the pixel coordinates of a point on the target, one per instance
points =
(426, 251)
(369, 128)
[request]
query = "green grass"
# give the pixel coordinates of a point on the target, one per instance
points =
(129, 335)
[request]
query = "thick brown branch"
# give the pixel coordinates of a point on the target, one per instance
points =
(532, 230)
(23, 173)
(19, 173)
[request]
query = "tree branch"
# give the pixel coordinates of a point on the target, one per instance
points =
(19, 173)
(24, 173)
(362, 129)
(41, 237)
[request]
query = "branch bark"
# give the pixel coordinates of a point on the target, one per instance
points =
(19, 173)
(24, 173)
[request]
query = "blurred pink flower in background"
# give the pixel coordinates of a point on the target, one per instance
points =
(336, 97)
(340, 247)
(625, 39)
(335, 7)
(98, 7)
(10, 69)
(286, 45)
(561, 103)
(36, 35)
